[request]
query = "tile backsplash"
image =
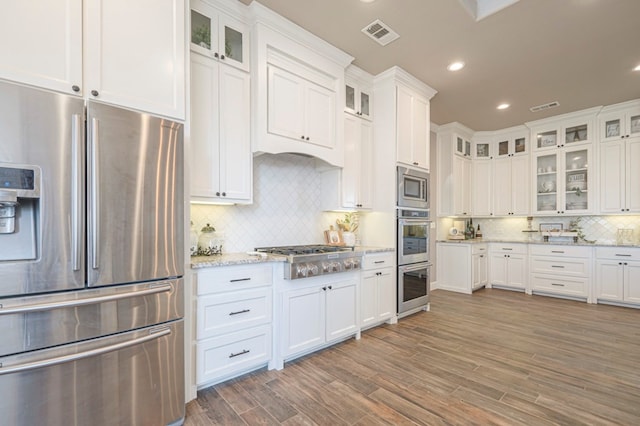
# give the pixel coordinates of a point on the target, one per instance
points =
(286, 207)
(602, 229)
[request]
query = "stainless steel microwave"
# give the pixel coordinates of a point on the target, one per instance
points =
(413, 188)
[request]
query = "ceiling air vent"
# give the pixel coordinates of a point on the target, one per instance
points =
(380, 32)
(545, 106)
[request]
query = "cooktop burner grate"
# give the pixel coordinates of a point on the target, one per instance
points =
(304, 249)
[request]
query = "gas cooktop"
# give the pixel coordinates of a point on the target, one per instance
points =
(312, 260)
(303, 250)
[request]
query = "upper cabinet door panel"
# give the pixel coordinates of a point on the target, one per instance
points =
(286, 100)
(135, 55)
(320, 116)
(41, 44)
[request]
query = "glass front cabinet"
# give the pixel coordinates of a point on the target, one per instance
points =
(512, 144)
(566, 131)
(620, 125)
(463, 147)
(218, 35)
(563, 182)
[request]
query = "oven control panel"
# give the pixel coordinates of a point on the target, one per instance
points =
(300, 270)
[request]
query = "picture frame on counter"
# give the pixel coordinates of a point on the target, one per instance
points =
(333, 237)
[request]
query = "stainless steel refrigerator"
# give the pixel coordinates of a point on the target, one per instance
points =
(91, 263)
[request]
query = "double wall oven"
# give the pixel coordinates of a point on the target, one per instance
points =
(413, 226)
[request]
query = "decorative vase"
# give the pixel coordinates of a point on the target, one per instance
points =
(349, 238)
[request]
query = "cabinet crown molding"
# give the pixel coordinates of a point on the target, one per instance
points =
(260, 14)
(456, 127)
(590, 112)
(397, 74)
(621, 106)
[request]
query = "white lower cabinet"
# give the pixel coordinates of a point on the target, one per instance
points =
(318, 312)
(378, 291)
(233, 321)
(508, 265)
(618, 275)
(560, 270)
(479, 266)
(462, 267)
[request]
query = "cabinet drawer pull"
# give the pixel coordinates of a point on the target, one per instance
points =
(239, 279)
(244, 351)
(244, 311)
(557, 285)
(557, 266)
(379, 261)
(623, 255)
(505, 248)
(557, 251)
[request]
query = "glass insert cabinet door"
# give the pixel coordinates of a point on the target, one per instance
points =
(219, 36)
(576, 134)
(576, 180)
(365, 104)
(482, 150)
(547, 183)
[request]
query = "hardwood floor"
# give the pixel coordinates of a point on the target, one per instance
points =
(494, 357)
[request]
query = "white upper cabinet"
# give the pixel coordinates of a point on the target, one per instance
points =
(619, 121)
(135, 56)
(413, 128)
(358, 92)
(564, 182)
(129, 54)
(220, 138)
(218, 35)
(620, 176)
(565, 130)
(463, 146)
(300, 109)
(298, 91)
(41, 44)
(454, 174)
(481, 188)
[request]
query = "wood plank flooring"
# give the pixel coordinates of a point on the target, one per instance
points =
(492, 358)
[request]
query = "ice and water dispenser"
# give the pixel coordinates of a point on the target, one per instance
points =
(19, 208)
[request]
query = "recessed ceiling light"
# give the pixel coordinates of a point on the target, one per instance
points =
(455, 66)
(637, 68)
(367, 1)
(503, 106)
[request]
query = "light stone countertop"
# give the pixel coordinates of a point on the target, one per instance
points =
(554, 242)
(228, 259)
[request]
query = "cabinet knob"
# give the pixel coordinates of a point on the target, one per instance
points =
(94, 93)
(217, 194)
(215, 55)
(307, 138)
(625, 263)
(224, 194)
(330, 287)
(415, 163)
(627, 210)
(324, 288)
(302, 137)
(75, 88)
(221, 56)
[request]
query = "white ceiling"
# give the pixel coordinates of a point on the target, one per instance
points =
(580, 53)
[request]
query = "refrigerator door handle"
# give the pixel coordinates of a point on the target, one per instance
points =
(36, 307)
(95, 207)
(26, 366)
(76, 191)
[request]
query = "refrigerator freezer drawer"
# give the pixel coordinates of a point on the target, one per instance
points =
(37, 322)
(133, 378)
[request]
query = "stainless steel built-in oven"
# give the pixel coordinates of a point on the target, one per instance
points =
(413, 260)
(413, 188)
(413, 236)
(413, 287)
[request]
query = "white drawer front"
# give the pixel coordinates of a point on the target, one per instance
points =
(559, 250)
(509, 248)
(561, 266)
(479, 248)
(371, 261)
(560, 285)
(223, 313)
(232, 278)
(618, 253)
(221, 357)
